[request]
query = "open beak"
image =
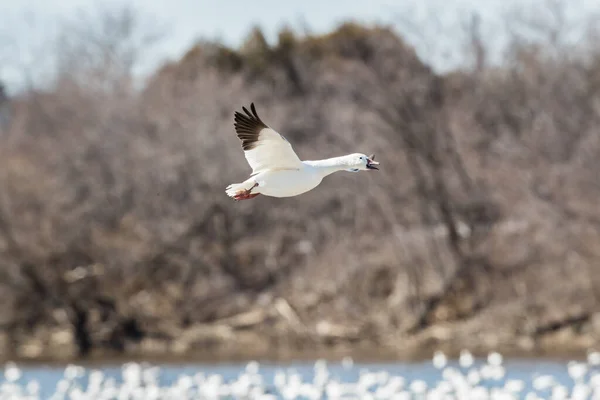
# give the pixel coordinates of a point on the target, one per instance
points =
(371, 163)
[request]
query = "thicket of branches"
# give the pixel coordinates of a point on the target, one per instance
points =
(115, 232)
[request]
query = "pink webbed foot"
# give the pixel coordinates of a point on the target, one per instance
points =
(245, 195)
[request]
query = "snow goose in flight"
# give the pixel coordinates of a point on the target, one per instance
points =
(276, 169)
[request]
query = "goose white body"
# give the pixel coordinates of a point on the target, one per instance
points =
(287, 183)
(276, 169)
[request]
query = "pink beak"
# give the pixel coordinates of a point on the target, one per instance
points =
(371, 163)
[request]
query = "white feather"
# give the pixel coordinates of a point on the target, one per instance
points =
(272, 152)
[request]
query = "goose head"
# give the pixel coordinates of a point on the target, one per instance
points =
(361, 162)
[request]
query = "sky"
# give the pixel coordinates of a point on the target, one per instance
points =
(26, 25)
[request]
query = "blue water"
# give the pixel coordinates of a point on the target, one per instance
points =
(524, 370)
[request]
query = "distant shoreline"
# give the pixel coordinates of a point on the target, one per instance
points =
(368, 355)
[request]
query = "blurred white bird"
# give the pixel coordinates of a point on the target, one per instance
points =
(276, 169)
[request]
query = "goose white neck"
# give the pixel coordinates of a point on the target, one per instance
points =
(330, 165)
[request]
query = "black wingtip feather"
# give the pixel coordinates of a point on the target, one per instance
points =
(248, 126)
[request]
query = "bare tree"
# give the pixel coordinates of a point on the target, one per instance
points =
(115, 231)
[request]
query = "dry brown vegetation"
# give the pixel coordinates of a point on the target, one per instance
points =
(482, 228)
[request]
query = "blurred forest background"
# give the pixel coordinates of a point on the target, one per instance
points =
(481, 231)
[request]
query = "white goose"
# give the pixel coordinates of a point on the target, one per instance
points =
(276, 169)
